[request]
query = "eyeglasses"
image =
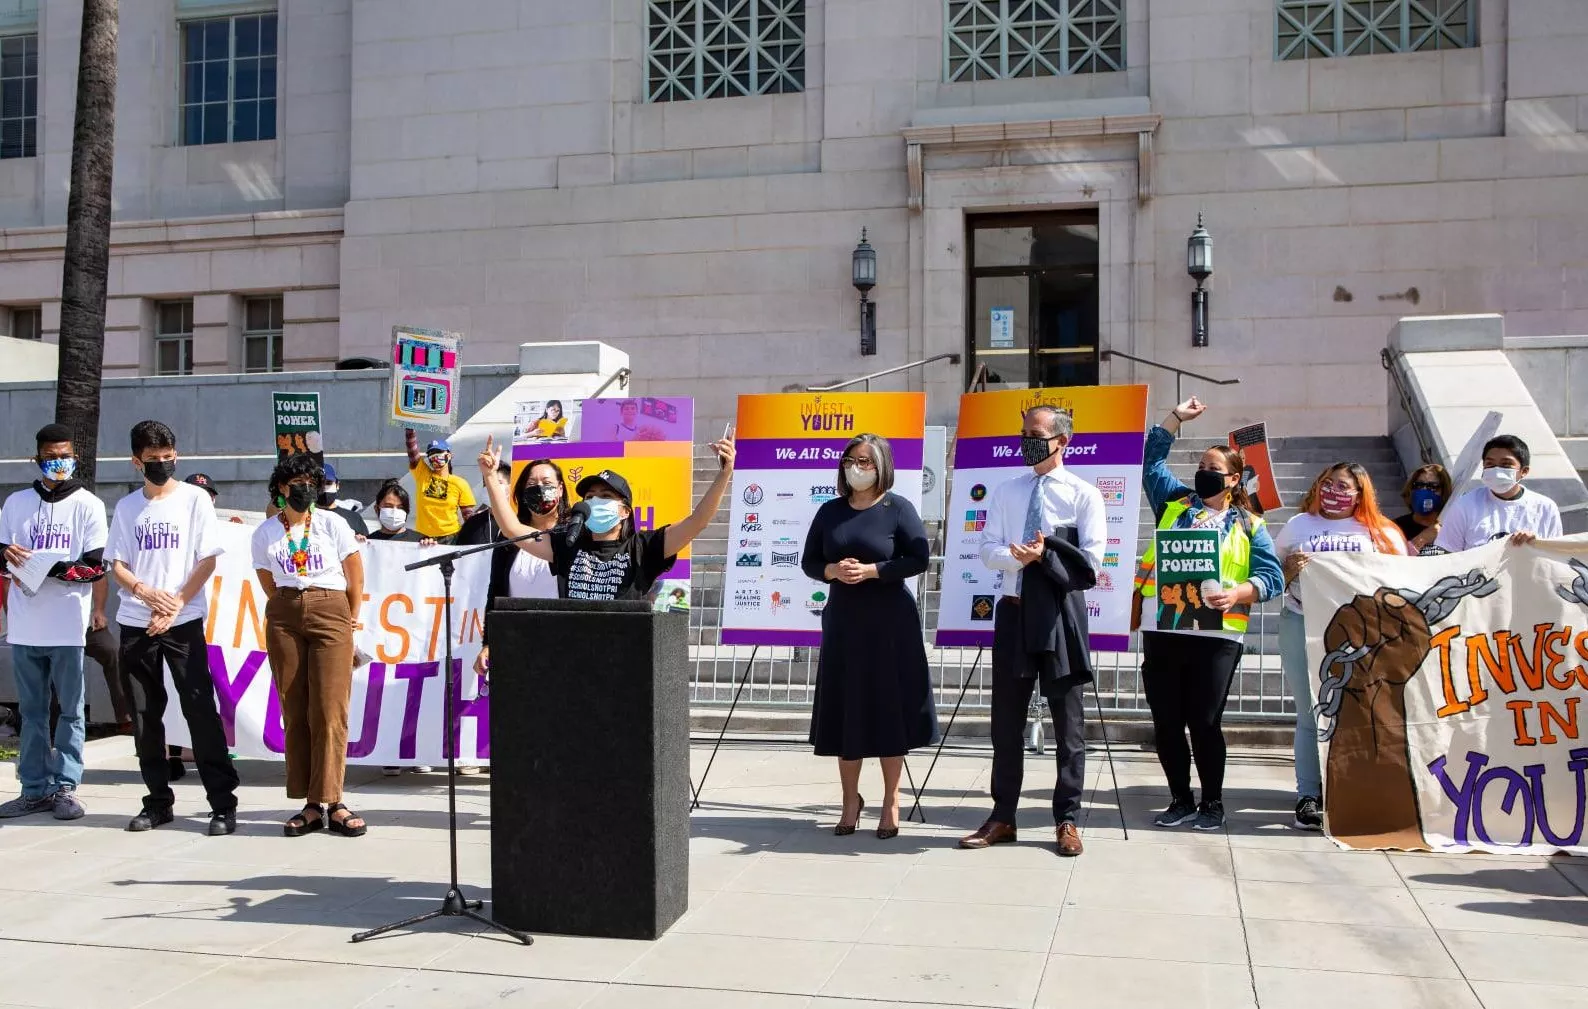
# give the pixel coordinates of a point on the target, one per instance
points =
(863, 464)
(1425, 485)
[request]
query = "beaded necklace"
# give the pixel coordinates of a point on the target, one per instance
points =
(298, 550)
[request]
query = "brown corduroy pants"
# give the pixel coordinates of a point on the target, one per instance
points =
(309, 637)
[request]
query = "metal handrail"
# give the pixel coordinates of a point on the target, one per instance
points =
(866, 379)
(1414, 417)
(978, 381)
(621, 377)
(1179, 373)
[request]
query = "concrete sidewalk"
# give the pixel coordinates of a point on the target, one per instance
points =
(784, 915)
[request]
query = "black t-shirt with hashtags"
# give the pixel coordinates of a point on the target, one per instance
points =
(618, 569)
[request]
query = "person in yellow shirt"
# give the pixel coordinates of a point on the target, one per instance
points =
(442, 499)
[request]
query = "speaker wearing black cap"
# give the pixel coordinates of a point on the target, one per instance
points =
(598, 554)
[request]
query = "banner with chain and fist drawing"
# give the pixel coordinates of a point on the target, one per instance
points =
(1448, 695)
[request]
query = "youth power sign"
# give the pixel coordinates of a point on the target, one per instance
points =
(789, 447)
(1106, 450)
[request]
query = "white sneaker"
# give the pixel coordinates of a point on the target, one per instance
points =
(421, 769)
(469, 769)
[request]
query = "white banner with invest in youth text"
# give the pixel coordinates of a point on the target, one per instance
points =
(396, 716)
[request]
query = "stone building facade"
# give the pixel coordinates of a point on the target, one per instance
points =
(686, 179)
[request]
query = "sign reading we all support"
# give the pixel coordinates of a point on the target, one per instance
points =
(789, 448)
(1106, 450)
(1449, 697)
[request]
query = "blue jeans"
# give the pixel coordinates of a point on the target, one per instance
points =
(37, 669)
(1293, 660)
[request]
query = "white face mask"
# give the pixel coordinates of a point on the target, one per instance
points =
(860, 479)
(393, 519)
(1500, 481)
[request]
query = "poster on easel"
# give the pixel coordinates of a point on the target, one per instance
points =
(1106, 450)
(660, 472)
(425, 377)
(789, 447)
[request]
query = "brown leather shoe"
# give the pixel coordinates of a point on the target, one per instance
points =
(990, 833)
(1069, 840)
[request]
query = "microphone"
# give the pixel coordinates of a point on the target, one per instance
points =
(578, 515)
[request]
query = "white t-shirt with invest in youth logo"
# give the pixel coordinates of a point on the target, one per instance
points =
(1314, 534)
(162, 540)
(1478, 517)
(331, 541)
(57, 615)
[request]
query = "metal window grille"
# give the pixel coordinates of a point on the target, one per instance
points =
(1315, 29)
(722, 48)
(262, 335)
(1000, 39)
(19, 96)
(229, 79)
(173, 338)
(27, 323)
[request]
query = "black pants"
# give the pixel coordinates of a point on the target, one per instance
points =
(1011, 699)
(1188, 677)
(143, 662)
(101, 646)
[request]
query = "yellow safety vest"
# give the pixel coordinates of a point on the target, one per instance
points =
(1235, 562)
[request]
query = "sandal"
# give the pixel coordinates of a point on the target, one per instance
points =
(341, 826)
(301, 824)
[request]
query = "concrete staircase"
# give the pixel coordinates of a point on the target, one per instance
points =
(781, 678)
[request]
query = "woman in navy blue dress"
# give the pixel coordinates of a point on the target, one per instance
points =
(873, 688)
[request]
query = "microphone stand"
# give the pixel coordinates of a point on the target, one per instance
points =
(453, 905)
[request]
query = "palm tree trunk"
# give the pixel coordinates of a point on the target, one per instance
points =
(83, 279)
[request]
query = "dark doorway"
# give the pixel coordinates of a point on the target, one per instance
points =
(1033, 298)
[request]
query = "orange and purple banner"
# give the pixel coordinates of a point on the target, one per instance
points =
(1110, 429)
(789, 447)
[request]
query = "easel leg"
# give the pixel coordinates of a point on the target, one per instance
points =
(743, 679)
(1108, 750)
(943, 739)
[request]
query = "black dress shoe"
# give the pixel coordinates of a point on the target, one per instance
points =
(222, 824)
(148, 819)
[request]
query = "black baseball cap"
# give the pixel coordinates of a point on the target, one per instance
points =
(612, 480)
(203, 480)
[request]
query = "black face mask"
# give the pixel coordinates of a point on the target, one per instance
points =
(538, 499)
(325, 499)
(1209, 484)
(1034, 451)
(159, 472)
(300, 496)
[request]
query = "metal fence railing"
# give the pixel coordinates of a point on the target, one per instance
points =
(786, 677)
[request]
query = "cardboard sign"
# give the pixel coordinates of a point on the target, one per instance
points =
(298, 424)
(425, 376)
(1184, 561)
(1258, 479)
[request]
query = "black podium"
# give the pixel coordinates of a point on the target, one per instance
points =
(589, 767)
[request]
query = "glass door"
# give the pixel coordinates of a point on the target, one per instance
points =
(1034, 298)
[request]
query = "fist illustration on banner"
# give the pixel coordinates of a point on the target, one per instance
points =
(1374, 646)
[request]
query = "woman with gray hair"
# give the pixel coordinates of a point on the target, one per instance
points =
(873, 688)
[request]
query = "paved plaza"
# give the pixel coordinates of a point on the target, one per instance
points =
(782, 914)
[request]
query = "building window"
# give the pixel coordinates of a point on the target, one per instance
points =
(262, 334)
(173, 338)
(27, 323)
(721, 48)
(229, 79)
(19, 96)
(1311, 29)
(1000, 39)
